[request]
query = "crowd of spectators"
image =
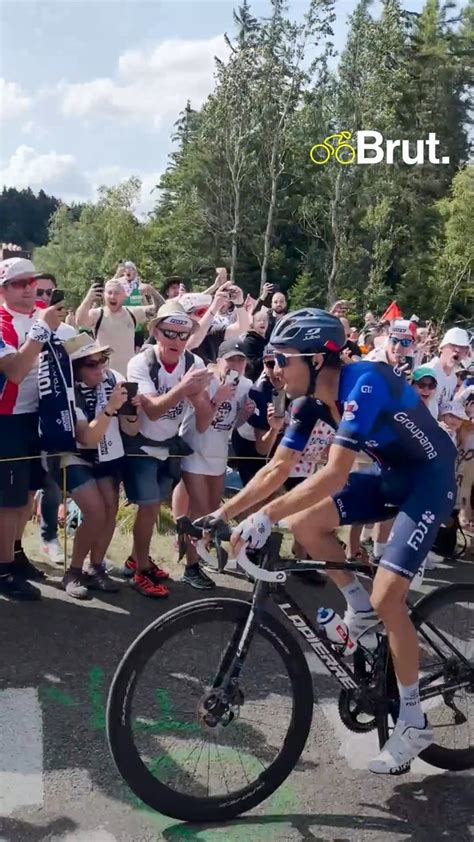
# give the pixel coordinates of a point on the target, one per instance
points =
(163, 414)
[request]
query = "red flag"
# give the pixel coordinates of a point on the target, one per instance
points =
(392, 312)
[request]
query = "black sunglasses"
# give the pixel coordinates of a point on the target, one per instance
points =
(426, 384)
(96, 363)
(175, 334)
(41, 292)
(269, 363)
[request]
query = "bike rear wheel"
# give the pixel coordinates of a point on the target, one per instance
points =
(445, 623)
(157, 719)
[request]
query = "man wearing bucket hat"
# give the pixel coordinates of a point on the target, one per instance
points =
(170, 379)
(23, 330)
(453, 349)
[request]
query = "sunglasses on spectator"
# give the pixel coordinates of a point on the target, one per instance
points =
(405, 343)
(21, 283)
(96, 363)
(426, 384)
(40, 292)
(270, 363)
(175, 334)
(282, 359)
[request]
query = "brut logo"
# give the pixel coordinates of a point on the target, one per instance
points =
(372, 148)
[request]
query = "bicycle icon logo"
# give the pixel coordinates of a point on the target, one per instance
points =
(342, 151)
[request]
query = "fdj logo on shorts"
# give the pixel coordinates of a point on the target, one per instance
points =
(371, 148)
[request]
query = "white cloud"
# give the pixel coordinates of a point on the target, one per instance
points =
(149, 85)
(13, 100)
(60, 175)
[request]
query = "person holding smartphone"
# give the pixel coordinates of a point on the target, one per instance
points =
(112, 323)
(24, 330)
(228, 406)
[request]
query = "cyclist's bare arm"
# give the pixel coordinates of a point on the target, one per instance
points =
(269, 479)
(326, 482)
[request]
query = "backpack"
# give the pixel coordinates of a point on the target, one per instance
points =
(101, 316)
(446, 540)
(154, 365)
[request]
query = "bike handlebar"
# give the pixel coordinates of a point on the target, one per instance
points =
(220, 532)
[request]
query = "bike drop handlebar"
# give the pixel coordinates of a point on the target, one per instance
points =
(219, 532)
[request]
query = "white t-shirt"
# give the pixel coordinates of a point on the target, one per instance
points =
(139, 372)
(211, 447)
(113, 435)
(445, 389)
(118, 331)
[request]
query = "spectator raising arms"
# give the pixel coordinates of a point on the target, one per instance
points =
(93, 472)
(24, 331)
(113, 324)
(169, 380)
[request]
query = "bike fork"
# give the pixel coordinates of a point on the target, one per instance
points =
(235, 653)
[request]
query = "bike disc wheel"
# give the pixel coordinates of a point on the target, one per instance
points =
(170, 758)
(445, 623)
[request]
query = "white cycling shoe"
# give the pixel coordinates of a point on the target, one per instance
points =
(361, 626)
(405, 743)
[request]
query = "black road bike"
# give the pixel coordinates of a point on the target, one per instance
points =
(211, 706)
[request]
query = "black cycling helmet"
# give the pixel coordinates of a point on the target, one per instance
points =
(310, 331)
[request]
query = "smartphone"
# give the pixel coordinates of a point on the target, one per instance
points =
(57, 296)
(132, 392)
(232, 377)
(279, 402)
(99, 282)
(408, 361)
(233, 293)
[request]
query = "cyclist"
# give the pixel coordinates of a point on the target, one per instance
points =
(376, 411)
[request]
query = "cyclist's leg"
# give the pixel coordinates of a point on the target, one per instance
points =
(413, 533)
(361, 501)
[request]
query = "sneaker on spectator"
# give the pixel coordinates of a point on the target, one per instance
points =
(52, 551)
(130, 568)
(432, 559)
(148, 584)
(17, 587)
(194, 576)
(73, 583)
(97, 579)
(25, 569)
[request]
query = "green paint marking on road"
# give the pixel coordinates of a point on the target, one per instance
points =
(283, 802)
(96, 698)
(257, 828)
(54, 694)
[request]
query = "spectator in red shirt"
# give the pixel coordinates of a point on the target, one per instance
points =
(23, 332)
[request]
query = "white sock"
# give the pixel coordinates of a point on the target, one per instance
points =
(356, 596)
(366, 533)
(378, 549)
(410, 707)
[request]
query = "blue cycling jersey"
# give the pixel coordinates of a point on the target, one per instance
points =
(383, 416)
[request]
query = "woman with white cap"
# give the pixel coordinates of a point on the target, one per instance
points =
(204, 470)
(93, 472)
(453, 349)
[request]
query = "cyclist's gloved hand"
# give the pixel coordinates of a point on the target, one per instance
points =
(254, 531)
(214, 522)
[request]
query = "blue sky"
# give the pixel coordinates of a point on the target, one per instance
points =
(89, 89)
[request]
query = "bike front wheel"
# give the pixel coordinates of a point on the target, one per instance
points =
(167, 747)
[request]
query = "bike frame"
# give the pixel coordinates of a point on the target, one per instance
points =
(329, 654)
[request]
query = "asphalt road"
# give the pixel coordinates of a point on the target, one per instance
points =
(57, 781)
